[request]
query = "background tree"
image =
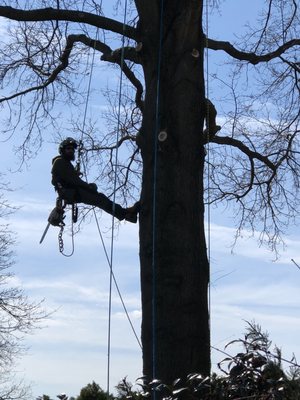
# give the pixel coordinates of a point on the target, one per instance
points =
(92, 391)
(252, 163)
(18, 316)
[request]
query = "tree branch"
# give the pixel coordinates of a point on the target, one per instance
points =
(250, 57)
(107, 55)
(113, 146)
(46, 14)
(116, 58)
(241, 146)
(64, 64)
(130, 54)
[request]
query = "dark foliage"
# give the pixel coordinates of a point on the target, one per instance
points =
(93, 391)
(255, 373)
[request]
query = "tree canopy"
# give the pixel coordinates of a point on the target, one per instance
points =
(258, 102)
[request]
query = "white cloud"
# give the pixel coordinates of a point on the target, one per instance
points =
(72, 349)
(222, 240)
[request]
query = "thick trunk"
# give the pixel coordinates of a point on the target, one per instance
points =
(174, 265)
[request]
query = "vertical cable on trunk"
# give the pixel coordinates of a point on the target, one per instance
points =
(154, 205)
(208, 163)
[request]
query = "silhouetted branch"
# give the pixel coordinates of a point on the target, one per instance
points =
(252, 58)
(46, 14)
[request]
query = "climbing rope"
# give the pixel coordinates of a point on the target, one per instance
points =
(110, 259)
(117, 286)
(154, 204)
(114, 194)
(57, 215)
(208, 164)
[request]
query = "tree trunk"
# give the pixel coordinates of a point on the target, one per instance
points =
(174, 264)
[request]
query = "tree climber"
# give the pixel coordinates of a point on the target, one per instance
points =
(73, 189)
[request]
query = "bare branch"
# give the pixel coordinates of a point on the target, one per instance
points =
(129, 53)
(114, 146)
(107, 55)
(252, 58)
(64, 64)
(116, 58)
(225, 140)
(46, 14)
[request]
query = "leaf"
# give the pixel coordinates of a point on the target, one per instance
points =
(179, 391)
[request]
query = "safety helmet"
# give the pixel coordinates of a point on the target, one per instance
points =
(67, 142)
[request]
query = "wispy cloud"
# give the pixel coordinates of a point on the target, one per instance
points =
(72, 348)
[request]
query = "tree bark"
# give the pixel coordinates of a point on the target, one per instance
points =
(174, 264)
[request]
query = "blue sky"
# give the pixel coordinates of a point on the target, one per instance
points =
(71, 349)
